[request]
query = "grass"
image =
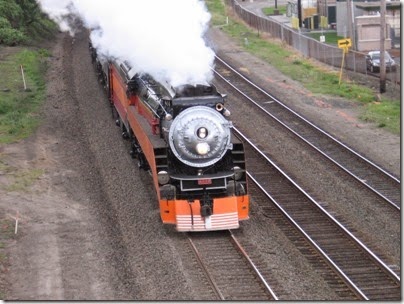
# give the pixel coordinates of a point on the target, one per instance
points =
(20, 179)
(19, 117)
(19, 108)
(23, 179)
(216, 9)
(385, 114)
(330, 37)
(270, 10)
(315, 78)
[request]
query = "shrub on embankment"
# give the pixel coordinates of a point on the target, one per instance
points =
(23, 22)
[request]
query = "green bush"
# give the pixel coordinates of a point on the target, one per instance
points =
(11, 37)
(23, 22)
(42, 29)
(10, 10)
(4, 23)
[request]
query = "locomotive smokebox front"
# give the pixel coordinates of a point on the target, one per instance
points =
(200, 136)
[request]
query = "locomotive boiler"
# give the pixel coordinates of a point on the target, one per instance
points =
(183, 136)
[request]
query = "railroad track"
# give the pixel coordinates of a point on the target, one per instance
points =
(231, 273)
(367, 173)
(365, 274)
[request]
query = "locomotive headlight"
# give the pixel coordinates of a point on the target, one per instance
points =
(202, 148)
(202, 133)
(163, 177)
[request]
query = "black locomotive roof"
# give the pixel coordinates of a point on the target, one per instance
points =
(187, 90)
(195, 90)
(181, 103)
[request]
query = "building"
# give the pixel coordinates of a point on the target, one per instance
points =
(365, 32)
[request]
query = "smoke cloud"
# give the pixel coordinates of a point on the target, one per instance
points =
(159, 37)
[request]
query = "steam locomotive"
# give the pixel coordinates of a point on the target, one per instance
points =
(183, 137)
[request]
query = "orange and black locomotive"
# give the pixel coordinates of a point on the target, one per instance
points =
(182, 135)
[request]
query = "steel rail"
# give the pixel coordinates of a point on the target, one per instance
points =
(355, 289)
(381, 263)
(255, 268)
(209, 277)
(360, 180)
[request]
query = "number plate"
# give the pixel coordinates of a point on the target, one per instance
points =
(206, 181)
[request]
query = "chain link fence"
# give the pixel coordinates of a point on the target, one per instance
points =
(307, 46)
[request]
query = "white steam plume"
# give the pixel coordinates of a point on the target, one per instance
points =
(163, 38)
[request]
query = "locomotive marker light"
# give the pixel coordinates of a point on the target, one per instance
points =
(202, 133)
(238, 173)
(163, 177)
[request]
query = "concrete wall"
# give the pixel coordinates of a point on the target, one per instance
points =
(368, 33)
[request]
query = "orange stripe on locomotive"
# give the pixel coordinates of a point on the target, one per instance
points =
(186, 215)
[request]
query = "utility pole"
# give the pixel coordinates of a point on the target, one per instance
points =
(299, 12)
(382, 46)
(349, 13)
(351, 23)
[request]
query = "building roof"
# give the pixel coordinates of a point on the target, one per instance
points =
(375, 5)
